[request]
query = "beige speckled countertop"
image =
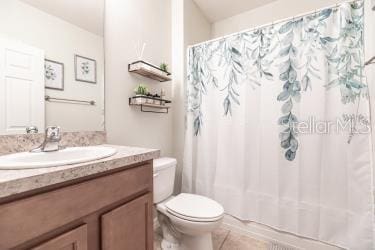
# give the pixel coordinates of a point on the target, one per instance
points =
(18, 181)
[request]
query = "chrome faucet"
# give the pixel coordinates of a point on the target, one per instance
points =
(52, 138)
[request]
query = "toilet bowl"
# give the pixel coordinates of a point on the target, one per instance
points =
(187, 220)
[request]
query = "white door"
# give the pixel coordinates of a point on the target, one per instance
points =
(21, 87)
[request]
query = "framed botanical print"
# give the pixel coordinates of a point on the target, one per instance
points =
(85, 69)
(54, 75)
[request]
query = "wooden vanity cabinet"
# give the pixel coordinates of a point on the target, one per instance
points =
(110, 211)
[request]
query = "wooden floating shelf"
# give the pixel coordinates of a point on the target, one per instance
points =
(150, 103)
(150, 71)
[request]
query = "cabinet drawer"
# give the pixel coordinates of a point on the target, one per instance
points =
(73, 240)
(29, 218)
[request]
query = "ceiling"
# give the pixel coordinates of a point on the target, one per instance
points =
(86, 14)
(216, 10)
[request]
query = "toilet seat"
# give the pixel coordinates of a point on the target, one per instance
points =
(194, 208)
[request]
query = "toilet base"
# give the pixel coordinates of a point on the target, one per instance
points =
(175, 240)
(166, 245)
(202, 242)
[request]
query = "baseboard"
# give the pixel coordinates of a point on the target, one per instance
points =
(248, 232)
(282, 240)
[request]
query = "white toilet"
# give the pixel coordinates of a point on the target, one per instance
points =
(187, 220)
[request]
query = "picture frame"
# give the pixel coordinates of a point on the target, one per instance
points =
(85, 69)
(53, 75)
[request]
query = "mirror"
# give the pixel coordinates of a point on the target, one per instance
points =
(51, 65)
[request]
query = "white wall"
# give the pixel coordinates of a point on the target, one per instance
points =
(197, 28)
(60, 40)
(189, 27)
(129, 24)
(266, 14)
(178, 68)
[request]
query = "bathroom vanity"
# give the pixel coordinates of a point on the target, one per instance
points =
(105, 204)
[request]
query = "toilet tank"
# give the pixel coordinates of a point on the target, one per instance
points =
(164, 174)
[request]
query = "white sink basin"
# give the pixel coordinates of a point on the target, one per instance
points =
(66, 156)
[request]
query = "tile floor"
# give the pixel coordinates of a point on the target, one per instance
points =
(224, 239)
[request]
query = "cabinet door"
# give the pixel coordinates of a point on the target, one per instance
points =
(72, 240)
(129, 227)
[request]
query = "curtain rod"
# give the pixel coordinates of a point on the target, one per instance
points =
(274, 22)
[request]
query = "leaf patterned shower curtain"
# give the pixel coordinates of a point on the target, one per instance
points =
(277, 126)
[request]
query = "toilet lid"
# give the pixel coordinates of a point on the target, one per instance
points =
(194, 207)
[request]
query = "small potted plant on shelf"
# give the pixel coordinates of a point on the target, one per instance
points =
(140, 91)
(164, 67)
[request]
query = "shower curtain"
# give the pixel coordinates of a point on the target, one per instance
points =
(278, 130)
